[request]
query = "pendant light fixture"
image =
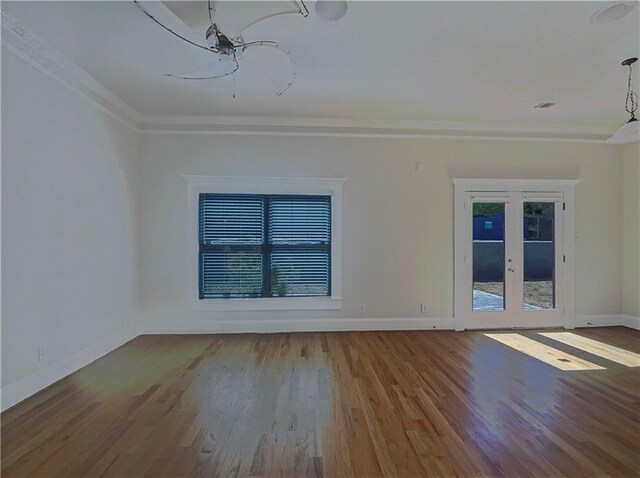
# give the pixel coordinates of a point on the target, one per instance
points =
(630, 131)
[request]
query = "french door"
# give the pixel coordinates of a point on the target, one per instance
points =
(510, 259)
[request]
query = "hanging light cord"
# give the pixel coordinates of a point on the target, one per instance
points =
(631, 102)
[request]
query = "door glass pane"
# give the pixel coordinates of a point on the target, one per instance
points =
(539, 255)
(488, 256)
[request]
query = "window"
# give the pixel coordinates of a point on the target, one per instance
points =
(264, 246)
(260, 243)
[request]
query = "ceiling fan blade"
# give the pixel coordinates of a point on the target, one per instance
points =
(218, 69)
(272, 61)
(231, 16)
(168, 20)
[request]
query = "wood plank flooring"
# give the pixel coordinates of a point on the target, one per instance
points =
(356, 404)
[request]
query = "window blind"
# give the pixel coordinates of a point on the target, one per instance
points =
(264, 246)
(231, 238)
(231, 219)
(300, 236)
(299, 220)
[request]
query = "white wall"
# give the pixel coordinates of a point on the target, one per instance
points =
(631, 230)
(398, 222)
(94, 224)
(68, 231)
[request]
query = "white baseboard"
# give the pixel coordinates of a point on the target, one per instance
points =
(596, 320)
(630, 321)
(607, 321)
(25, 387)
(298, 325)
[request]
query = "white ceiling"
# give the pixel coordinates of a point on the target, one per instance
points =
(488, 62)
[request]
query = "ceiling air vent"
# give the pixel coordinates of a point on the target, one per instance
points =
(544, 105)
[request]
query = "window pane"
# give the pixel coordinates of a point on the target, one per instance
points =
(299, 273)
(235, 262)
(488, 256)
(539, 255)
(299, 219)
(230, 274)
(231, 219)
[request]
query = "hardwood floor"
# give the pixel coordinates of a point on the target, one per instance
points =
(363, 404)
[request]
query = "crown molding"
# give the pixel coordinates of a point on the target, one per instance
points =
(19, 39)
(277, 126)
(22, 41)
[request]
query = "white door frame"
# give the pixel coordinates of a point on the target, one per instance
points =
(462, 245)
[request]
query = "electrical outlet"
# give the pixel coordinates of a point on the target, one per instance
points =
(362, 308)
(423, 308)
(42, 354)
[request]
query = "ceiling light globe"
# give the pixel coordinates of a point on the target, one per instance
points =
(612, 13)
(627, 133)
(331, 10)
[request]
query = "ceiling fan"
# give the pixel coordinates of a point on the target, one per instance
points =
(229, 48)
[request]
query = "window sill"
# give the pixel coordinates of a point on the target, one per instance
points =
(290, 303)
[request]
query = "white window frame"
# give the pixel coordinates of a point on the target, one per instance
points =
(197, 185)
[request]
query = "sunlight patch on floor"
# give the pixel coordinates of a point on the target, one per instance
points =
(606, 351)
(544, 353)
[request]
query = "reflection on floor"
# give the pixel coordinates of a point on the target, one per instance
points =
(483, 301)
